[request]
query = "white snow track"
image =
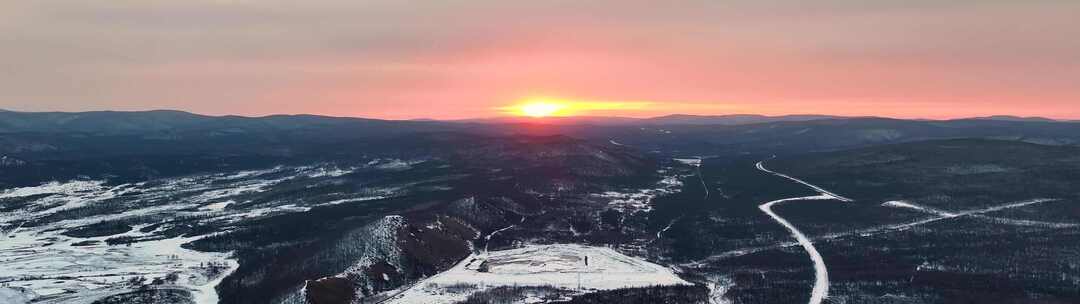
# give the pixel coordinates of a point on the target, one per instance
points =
(820, 289)
(761, 166)
(821, 273)
(874, 230)
(978, 214)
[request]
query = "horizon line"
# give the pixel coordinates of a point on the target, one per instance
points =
(539, 119)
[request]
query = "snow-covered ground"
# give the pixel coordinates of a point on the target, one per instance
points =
(559, 266)
(11, 295)
(640, 200)
(52, 265)
(696, 162)
(761, 166)
(821, 274)
(977, 213)
(889, 228)
(36, 255)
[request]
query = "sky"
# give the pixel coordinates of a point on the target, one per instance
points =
(449, 59)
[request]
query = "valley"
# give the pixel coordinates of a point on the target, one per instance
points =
(478, 217)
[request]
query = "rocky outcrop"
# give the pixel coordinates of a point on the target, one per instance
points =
(395, 252)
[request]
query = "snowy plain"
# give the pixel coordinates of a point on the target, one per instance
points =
(42, 260)
(558, 265)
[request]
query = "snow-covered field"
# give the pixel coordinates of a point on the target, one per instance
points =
(60, 272)
(41, 259)
(560, 266)
(640, 200)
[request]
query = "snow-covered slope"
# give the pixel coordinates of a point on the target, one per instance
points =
(83, 240)
(560, 266)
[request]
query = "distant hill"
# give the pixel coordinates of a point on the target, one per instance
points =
(29, 136)
(1017, 118)
(676, 119)
(557, 120)
(735, 119)
(813, 135)
(141, 122)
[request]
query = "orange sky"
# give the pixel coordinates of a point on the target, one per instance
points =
(467, 59)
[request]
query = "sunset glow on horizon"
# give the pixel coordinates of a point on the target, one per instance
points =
(538, 107)
(474, 59)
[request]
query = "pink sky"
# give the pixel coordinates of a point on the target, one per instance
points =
(463, 59)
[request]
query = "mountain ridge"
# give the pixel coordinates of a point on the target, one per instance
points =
(7, 117)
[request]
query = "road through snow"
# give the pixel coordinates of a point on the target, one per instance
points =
(761, 166)
(821, 273)
(941, 216)
(978, 214)
(820, 289)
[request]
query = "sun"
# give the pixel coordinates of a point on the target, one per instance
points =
(541, 108)
(545, 106)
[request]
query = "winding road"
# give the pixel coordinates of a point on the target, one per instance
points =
(820, 289)
(821, 273)
(939, 215)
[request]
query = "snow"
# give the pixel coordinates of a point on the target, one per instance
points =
(393, 164)
(487, 238)
(641, 199)
(978, 213)
(906, 204)
(353, 200)
(16, 296)
(316, 172)
(381, 245)
(761, 166)
(252, 173)
(821, 278)
(882, 229)
(719, 286)
(559, 266)
(821, 273)
(696, 162)
(660, 234)
(261, 212)
(45, 263)
(59, 196)
(218, 206)
(69, 188)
